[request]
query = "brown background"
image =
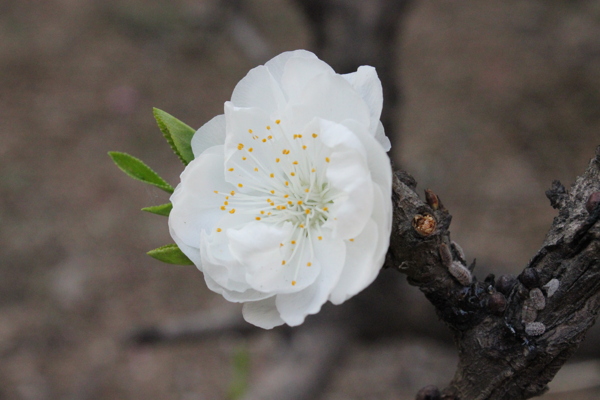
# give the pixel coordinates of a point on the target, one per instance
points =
(500, 98)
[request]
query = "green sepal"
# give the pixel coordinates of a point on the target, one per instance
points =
(135, 168)
(170, 254)
(178, 134)
(163, 209)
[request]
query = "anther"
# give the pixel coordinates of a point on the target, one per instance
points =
(219, 229)
(308, 264)
(240, 146)
(240, 185)
(293, 283)
(232, 211)
(277, 121)
(327, 159)
(283, 262)
(250, 150)
(268, 127)
(314, 135)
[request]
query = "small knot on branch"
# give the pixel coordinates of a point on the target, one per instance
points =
(557, 195)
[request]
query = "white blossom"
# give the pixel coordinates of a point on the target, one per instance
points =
(287, 203)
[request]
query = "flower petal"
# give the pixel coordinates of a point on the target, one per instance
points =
(277, 64)
(348, 172)
(381, 137)
(262, 313)
(327, 96)
(294, 307)
(259, 89)
(195, 205)
(366, 82)
(258, 246)
(298, 72)
(361, 267)
(210, 134)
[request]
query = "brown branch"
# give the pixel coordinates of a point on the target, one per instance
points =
(512, 334)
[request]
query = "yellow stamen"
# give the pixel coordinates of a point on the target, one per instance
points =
(307, 190)
(303, 147)
(308, 264)
(264, 140)
(277, 121)
(287, 183)
(226, 203)
(230, 169)
(272, 192)
(262, 212)
(232, 211)
(301, 225)
(258, 218)
(240, 185)
(243, 158)
(352, 240)
(272, 175)
(268, 127)
(269, 137)
(307, 211)
(277, 160)
(299, 202)
(216, 191)
(327, 159)
(286, 151)
(293, 283)
(295, 163)
(219, 229)
(240, 146)
(300, 136)
(223, 208)
(280, 244)
(314, 135)
(293, 174)
(256, 169)
(232, 193)
(320, 238)
(293, 242)
(325, 209)
(250, 131)
(286, 196)
(250, 150)
(282, 262)
(313, 170)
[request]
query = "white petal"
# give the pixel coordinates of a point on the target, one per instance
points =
(259, 89)
(380, 136)
(262, 313)
(378, 161)
(294, 307)
(366, 82)
(257, 246)
(299, 71)
(210, 134)
(347, 171)
(277, 64)
(195, 205)
(327, 96)
(360, 268)
(233, 296)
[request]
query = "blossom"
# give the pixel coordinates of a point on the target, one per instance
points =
(287, 203)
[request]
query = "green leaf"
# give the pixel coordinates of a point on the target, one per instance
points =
(178, 134)
(136, 169)
(163, 209)
(170, 254)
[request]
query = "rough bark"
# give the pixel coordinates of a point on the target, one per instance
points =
(513, 334)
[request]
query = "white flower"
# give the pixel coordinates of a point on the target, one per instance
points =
(288, 201)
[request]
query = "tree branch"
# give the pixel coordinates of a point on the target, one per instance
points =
(512, 334)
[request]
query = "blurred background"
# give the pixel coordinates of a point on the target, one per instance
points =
(487, 103)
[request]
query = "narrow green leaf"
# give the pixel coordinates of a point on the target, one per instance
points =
(178, 134)
(135, 168)
(170, 254)
(163, 209)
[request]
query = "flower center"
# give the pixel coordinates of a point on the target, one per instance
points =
(284, 181)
